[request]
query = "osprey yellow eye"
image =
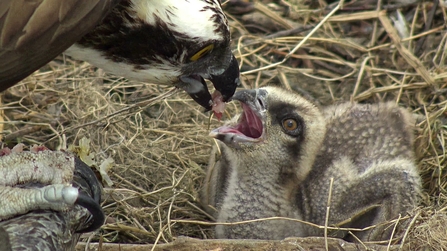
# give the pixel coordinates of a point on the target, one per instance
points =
(205, 50)
(289, 124)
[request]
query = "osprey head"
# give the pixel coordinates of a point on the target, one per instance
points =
(175, 42)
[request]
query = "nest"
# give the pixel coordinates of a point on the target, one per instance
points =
(158, 137)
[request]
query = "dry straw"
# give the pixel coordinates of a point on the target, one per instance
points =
(160, 147)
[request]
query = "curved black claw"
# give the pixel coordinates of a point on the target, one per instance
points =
(89, 195)
(85, 172)
(97, 215)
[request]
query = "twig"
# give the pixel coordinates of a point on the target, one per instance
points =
(326, 220)
(139, 104)
(340, 4)
(404, 52)
(427, 26)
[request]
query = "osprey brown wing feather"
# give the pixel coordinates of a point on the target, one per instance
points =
(31, 34)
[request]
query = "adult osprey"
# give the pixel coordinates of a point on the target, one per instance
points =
(174, 42)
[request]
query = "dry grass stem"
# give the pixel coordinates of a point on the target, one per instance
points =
(158, 137)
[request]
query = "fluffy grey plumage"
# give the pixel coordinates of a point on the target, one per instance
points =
(278, 158)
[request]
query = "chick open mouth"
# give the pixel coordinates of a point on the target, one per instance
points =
(249, 128)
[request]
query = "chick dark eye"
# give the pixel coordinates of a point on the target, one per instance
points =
(289, 124)
(202, 52)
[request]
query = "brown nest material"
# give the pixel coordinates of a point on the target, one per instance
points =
(357, 51)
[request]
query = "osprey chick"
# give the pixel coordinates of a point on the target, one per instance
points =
(279, 156)
(173, 42)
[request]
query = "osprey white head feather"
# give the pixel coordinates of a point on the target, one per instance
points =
(174, 42)
(189, 17)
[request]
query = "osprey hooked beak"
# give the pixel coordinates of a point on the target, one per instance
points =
(225, 83)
